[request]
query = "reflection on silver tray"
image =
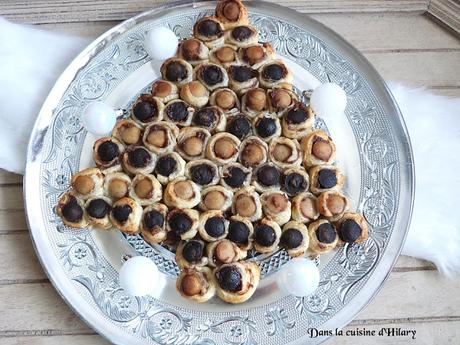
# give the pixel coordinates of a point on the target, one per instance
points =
(83, 264)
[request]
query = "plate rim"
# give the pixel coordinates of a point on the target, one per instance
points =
(331, 37)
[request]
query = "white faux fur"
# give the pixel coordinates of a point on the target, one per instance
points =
(31, 60)
(434, 127)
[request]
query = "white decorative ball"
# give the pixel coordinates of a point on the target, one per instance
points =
(328, 100)
(161, 43)
(299, 277)
(99, 118)
(138, 276)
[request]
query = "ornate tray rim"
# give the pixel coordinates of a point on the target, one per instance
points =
(334, 40)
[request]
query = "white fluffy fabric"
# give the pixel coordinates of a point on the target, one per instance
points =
(31, 60)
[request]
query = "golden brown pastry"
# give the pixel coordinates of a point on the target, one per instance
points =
(222, 148)
(98, 211)
(210, 31)
(223, 252)
(145, 189)
(285, 152)
(165, 91)
(236, 282)
(295, 181)
(211, 118)
(191, 142)
(226, 99)
(253, 152)
(239, 125)
(294, 238)
(193, 51)
(240, 231)
(178, 112)
(267, 235)
(318, 149)
(352, 228)
(153, 227)
(256, 55)
(305, 208)
(203, 172)
(138, 160)
(216, 198)
(332, 205)
(297, 121)
(128, 132)
(213, 226)
(71, 210)
(235, 176)
(106, 154)
(266, 177)
(182, 193)
(276, 206)
(160, 137)
(231, 13)
(195, 94)
(267, 126)
(242, 36)
(116, 185)
(279, 99)
(126, 215)
(246, 203)
(325, 178)
(183, 222)
(224, 55)
(211, 75)
(168, 167)
(177, 71)
(242, 78)
(196, 283)
(274, 73)
(323, 236)
(191, 253)
(253, 102)
(147, 109)
(87, 183)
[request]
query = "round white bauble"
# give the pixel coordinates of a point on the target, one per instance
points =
(299, 277)
(328, 100)
(138, 276)
(99, 118)
(161, 43)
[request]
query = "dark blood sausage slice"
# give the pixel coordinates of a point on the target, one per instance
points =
(266, 127)
(294, 183)
(121, 213)
(229, 278)
(153, 218)
(326, 233)
(98, 208)
(205, 117)
(235, 177)
(72, 211)
(202, 174)
(193, 251)
(175, 71)
(145, 111)
(139, 157)
(242, 33)
(166, 165)
(291, 238)
(180, 223)
(108, 151)
(177, 111)
(327, 178)
(296, 115)
(215, 227)
(238, 232)
(264, 235)
(212, 75)
(239, 126)
(349, 231)
(268, 175)
(273, 72)
(209, 28)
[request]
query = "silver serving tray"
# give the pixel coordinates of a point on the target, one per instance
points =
(373, 151)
